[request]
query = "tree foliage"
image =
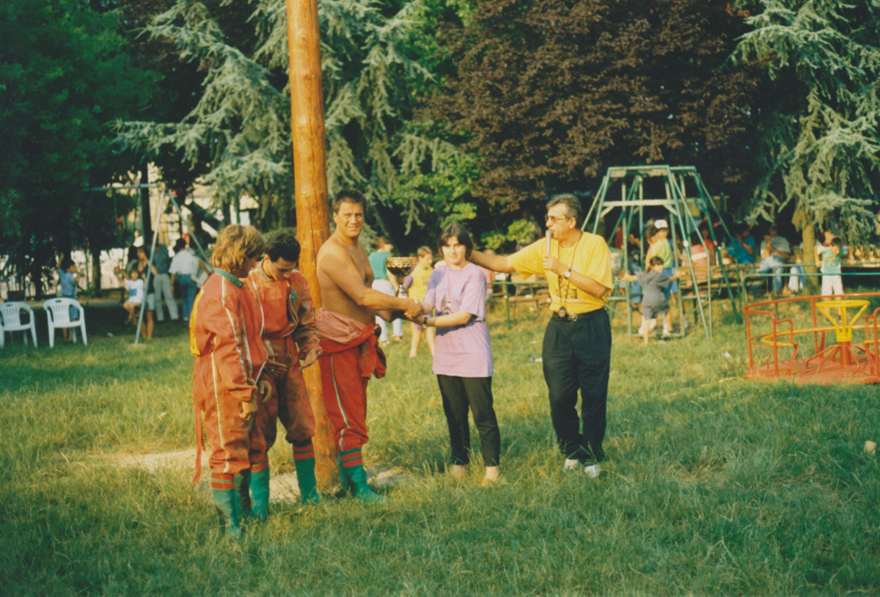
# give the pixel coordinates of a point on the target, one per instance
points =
(372, 63)
(820, 109)
(551, 92)
(64, 76)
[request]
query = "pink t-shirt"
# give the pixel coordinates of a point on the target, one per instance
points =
(462, 350)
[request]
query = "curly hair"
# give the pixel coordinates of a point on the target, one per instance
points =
(235, 243)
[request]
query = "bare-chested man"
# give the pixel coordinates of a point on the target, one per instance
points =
(346, 328)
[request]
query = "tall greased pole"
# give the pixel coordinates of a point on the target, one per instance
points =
(312, 204)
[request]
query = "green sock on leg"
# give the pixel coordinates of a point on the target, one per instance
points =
(260, 490)
(225, 491)
(304, 461)
(353, 470)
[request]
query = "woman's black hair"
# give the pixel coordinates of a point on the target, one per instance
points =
(460, 232)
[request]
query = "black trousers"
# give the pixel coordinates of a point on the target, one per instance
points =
(577, 356)
(458, 394)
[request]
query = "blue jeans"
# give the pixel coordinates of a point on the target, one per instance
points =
(773, 264)
(188, 291)
(577, 356)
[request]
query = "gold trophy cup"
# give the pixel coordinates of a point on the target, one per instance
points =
(400, 267)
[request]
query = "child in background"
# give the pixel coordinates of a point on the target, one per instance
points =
(67, 277)
(832, 283)
(654, 283)
(659, 246)
(416, 284)
(135, 289)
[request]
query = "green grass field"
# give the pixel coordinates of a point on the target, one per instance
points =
(713, 484)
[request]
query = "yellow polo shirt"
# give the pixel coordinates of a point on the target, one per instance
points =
(589, 257)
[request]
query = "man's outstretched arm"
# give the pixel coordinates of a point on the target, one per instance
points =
(496, 263)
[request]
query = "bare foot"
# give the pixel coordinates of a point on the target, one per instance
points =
(458, 471)
(492, 476)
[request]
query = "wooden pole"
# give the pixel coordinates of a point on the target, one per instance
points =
(311, 198)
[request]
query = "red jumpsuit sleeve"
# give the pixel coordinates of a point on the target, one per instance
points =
(306, 333)
(219, 330)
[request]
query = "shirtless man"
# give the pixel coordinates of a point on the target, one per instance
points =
(347, 331)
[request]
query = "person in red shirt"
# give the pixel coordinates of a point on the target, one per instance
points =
(225, 337)
(290, 335)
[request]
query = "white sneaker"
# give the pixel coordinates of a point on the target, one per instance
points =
(571, 465)
(593, 470)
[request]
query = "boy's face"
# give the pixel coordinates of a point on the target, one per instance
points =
(834, 250)
(279, 269)
(664, 233)
(134, 275)
(657, 268)
(426, 260)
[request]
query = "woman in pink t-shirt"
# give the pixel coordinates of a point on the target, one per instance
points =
(463, 353)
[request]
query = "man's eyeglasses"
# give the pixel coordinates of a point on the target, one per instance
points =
(554, 219)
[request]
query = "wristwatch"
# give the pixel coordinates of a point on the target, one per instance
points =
(567, 275)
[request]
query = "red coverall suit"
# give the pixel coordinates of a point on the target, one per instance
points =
(351, 356)
(225, 329)
(289, 324)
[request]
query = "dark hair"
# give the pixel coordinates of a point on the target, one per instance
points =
(179, 245)
(66, 262)
(459, 232)
(380, 242)
(656, 261)
(571, 202)
(650, 232)
(282, 244)
(836, 242)
(347, 196)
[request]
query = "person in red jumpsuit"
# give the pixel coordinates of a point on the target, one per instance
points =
(290, 336)
(225, 336)
(346, 326)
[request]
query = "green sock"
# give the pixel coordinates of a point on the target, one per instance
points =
(260, 489)
(304, 461)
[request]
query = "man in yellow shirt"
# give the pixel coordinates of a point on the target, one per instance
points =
(577, 342)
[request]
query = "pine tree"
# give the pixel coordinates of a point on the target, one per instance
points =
(819, 118)
(372, 67)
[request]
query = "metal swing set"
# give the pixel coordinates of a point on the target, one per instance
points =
(683, 211)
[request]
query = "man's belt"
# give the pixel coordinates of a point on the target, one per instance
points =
(572, 317)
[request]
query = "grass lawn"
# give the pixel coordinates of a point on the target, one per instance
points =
(713, 484)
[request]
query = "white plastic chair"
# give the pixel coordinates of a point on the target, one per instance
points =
(58, 316)
(10, 320)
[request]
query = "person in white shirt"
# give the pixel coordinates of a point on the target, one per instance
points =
(185, 267)
(135, 289)
(775, 250)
